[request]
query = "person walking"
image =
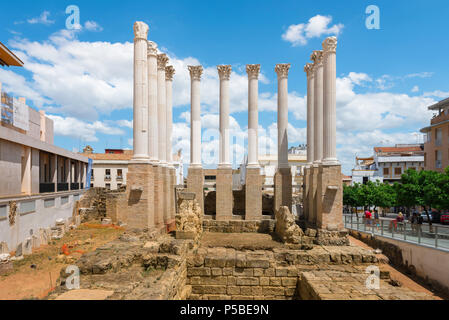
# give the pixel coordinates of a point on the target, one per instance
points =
(368, 217)
(376, 219)
(400, 221)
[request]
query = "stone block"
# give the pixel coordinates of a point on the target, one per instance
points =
(199, 271)
(270, 272)
(289, 281)
(264, 281)
(233, 290)
(228, 271)
(35, 242)
(257, 263)
(246, 290)
(19, 250)
(281, 272)
(273, 291)
(216, 271)
(282, 188)
(275, 281)
(258, 272)
(224, 195)
(243, 272)
(28, 246)
(253, 194)
(4, 248)
(247, 281)
(218, 280)
(195, 184)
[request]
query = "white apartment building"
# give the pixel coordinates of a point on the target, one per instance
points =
(388, 163)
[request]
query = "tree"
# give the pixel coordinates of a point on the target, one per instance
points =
(409, 191)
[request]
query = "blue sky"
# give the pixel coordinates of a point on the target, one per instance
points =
(386, 77)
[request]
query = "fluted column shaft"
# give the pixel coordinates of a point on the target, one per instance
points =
(224, 154)
(318, 110)
(169, 72)
(140, 99)
(310, 112)
(153, 140)
(253, 115)
(162, 108)
(330, 104)
(282, 73)
(195, 116)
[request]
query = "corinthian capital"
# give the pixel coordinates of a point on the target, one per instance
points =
(317, 57)
(169, 73)
(282, 70)
(253, 71)
(152, 48)
(224, 72)
(162, 61)
(330, 45)
(196, 72)
(308, 68)
(140, 30)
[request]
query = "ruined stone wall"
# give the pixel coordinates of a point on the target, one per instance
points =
(226, 274)
(239, 226)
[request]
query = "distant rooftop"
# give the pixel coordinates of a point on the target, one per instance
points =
(440, 105)
(7, 58)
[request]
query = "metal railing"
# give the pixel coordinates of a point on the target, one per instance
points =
(435, 235)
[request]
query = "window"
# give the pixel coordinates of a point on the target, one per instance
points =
(438, 163)
(119, 174)
(64, 200)
(108, 186)
(107, 174)
(49, 203)
(397, 171)
(386, 171)
(27, 207)
(438, 136)
(3, 212)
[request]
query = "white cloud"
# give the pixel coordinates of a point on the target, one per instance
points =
(42, 19)
(75, 128)
(415, 89)
(437, 94)
(93, 26)
(299, 34)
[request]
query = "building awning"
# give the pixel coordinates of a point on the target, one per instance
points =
(440, 105)
(7, 58)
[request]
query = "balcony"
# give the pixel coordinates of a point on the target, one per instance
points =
(439, 118)
(63, 187)
(119, 178)
(46, 187)
(107, 178)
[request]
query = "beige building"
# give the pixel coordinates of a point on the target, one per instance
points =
(110, 169)
(436, 139)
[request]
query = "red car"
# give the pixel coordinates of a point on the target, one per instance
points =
(445, 218)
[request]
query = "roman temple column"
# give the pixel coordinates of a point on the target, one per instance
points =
(329, 185)
(317, 57)
(253, 183)
(153, 140)
(307, 190)
(169, 73)
(283, 176)
(139, 207)
(224, 200)
(330, 104)
(162, 60)
(140, 92)
(195, 179)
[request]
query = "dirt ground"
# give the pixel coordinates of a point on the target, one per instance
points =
(405, 281)
(35, 276)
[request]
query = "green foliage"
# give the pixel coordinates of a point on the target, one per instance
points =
(417, 188)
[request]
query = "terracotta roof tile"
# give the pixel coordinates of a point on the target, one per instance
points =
(397, 149)
(108, 156)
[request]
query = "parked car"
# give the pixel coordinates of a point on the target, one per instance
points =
(436, 217)
(444, 219)
(424, 216)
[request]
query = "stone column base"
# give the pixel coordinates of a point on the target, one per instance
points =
(330, 198)
(283, 189)
(305, 193)
(253, 194)
(159, 197)
(224, 195)
(195, 184)
(140, 212)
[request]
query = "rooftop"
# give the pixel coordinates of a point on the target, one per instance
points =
(7, 58)
(440, 105)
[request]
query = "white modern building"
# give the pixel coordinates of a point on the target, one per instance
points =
(388, 163)
(39, 182)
